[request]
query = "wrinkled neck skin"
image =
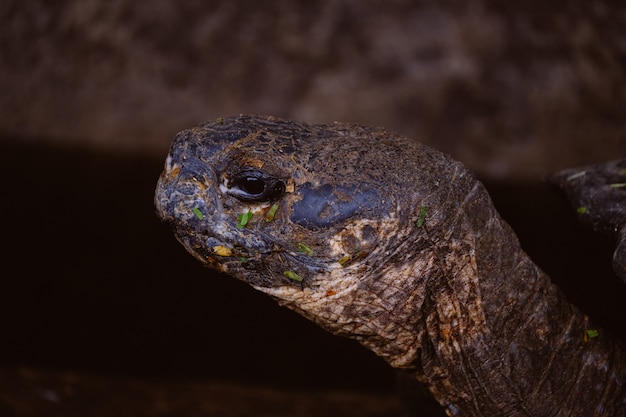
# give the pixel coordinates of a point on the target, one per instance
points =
(460, 306)
(438, 285)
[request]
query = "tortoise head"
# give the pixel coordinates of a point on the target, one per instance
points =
(314, 215)
(257, 199)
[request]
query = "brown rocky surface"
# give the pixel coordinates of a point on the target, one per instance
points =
(513, 90)
(28, 392)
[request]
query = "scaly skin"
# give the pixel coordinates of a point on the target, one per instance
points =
(398, 246)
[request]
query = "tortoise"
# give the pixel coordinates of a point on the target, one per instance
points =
(378, 238)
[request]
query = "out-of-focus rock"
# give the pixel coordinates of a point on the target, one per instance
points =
(515, 90)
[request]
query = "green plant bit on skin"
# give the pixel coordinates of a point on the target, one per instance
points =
(618, 185)
(243, 219)
(591, 334)
(305, 249)
(349, 259)
(198, 213)
(293, 276)
(581, 210)
(421, 216)
(344, 260)
(271, 213)
(219, 120)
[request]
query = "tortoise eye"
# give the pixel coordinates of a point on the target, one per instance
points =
(254, 185)
(251, 185)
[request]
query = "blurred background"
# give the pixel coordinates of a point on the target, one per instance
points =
(95, 292)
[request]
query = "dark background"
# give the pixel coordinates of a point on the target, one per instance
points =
(95, 282)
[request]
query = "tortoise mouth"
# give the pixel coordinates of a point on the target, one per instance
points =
(211, 246)
(248, 255)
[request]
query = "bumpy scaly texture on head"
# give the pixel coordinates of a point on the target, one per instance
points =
(389, 242)
(355, 208)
